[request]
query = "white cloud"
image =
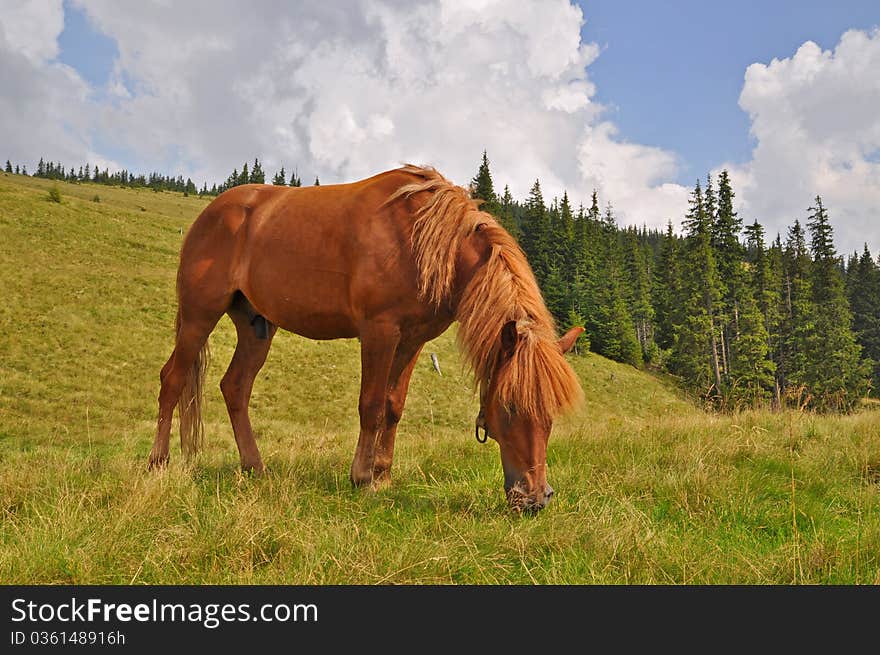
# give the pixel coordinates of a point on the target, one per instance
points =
(44, 107)
(31, 29)
(816, 123)
(344, 90)
(632, 176)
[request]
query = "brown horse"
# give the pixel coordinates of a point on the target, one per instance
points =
(393, 260)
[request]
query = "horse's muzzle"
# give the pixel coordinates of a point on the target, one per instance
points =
(522, 501)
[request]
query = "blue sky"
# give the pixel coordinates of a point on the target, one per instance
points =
(341, 91)
(85, 48)
(671, 72)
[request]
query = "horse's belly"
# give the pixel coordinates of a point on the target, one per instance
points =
(311, 303)
(321, 326)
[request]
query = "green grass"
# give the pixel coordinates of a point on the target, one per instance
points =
(649, 488)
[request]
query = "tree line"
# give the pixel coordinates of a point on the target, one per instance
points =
(158, 182)
(740, 321)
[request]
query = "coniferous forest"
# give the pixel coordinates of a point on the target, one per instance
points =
(741, 318)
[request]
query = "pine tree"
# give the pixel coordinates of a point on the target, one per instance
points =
(609, 322)
(294, 179)
(766, 286)
(638, 291)
(244, 177)
(695, 353)
(317, 181)
(257, 175)
(836, 374)
(506, 214)
(280, 178)
(564, 237)
(751, 368)
(584, 264)
(667, 293)
(483, 189)
(41, 168)
(729, 259)
(8, 166)
(231, 181)
(799, 315)
(863, 290)
(535, 229)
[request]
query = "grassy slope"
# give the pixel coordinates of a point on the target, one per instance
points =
(649, 489)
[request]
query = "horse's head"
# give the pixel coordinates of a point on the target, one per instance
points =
(522, 437)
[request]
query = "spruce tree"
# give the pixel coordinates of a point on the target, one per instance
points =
(695, 355)
(8, 166)
(535, 229)
(799, 316)
(863, 290)
(765, 269)
(506, 214)
(751, 375)
(584, 255)
(280, 178)
(553, 280)
(232, 180)
(667, 294)
(638, 291)
(609, 322)
(729, 258)
(294, 179)
(564, 238)
(257, 175)
(483, 189)
(835, 373)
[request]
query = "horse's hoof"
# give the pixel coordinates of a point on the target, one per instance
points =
(254, 471)
(381, 482)
(157, 462)
(374, 482)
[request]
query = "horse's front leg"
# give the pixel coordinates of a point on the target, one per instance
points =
(378, 345)
(398, 384)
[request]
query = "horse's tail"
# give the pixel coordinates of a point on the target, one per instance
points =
(189, 405)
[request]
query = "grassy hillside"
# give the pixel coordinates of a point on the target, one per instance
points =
(649, 488)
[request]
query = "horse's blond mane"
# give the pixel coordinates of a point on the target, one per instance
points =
(537, 381)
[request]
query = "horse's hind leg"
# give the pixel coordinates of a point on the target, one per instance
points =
(192, 333)
(238, 382)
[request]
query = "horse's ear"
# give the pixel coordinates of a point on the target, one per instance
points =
(509, 339)
(566, 341)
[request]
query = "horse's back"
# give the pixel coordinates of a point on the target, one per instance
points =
(313, 260)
